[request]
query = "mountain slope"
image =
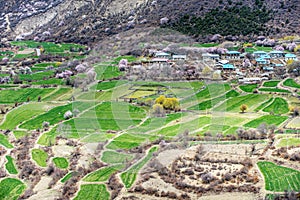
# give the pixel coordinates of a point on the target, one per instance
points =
(89, 21)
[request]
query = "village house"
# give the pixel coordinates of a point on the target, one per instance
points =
(233, 55)
(210, 57)
(258, 54)
(276, 54)
(290, 56)
(179, 57)
(162, 55)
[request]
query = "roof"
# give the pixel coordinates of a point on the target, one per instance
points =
(278, 65)
(210, 55)
(233, 52)
(159, 60)
(290, 55)
(259, 52)
(228, 66)
(223, 62)
(162, 54)
(179, 56)
(275, 52)
(260, 60)
(265, 56)
(268, 68)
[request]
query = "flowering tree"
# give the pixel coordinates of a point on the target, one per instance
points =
(68, 114)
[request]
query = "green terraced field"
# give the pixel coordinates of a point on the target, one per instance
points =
(92, 191)
(61, 163)
(4, 141)
(249, 87)
(112, 157)
(271, 83)
(278, 178)
(278, 106)
(40, 157)
(11, 189)
(21, 114)
(128, 177)
(268, 119)
(10, 166)
(102, 174)
(21, 95)
(291, 83)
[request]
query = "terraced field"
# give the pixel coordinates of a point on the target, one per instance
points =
(278, 178)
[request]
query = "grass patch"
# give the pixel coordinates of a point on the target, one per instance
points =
(40, 157)
(112, 157)
(11, 189)
(102, 174)
(271, 83)
(10, 166)
(268, 119)
(278, 106)
(93, 191)
(129, 176)
(249, 87)
(61, 162)
(278, 178)
(20, 134)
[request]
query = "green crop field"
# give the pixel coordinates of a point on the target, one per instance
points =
(40, 157)
(54, 115)
(106, 85)
(92, 191)
(21, 114)
(10, 166)
(128, 177)
(11, 189)
(264, 104)
(67, 177)
(112, 157)
(4, 141)
(291, 83)
(107, 72)
(22, 95)
(271, 83)
(212, 102)
(278, 106)
(278, 178)
(102, 174)
(273, 90)
(61, 163)
(234, 104)
(268, 119)
(249, 87)
(286, 142)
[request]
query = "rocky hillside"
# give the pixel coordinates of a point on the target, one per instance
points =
(88, 21)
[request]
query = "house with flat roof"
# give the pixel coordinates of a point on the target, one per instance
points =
(161, 54)
(209, 56)
(262, 61)
(258, 54)
(234, 55)
(179, 57)
(290, 56)
(276, 54)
